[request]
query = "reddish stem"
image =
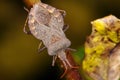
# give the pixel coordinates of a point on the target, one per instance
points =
(72, 73)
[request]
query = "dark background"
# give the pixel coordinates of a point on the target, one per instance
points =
(19, 59)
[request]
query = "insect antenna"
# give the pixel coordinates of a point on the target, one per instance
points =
(26, 9)
(39, 47)
(54, 59)
(65, 27)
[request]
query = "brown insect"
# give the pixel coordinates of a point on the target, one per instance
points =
(46, 23)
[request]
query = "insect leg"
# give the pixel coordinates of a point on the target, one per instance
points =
(62, 57)
(54, 59)
(65, 27)
(66, 69)
(26, 9)
(24, 29)
(71, 66)
(39, 47)
(65, 61)
(62, 12)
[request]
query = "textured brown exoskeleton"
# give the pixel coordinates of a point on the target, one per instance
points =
(46, 23)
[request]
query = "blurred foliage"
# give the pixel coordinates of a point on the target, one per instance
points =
(79, 55)
(18, 52)
(103, 38)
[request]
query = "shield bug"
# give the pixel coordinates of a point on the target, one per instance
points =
(46, 23)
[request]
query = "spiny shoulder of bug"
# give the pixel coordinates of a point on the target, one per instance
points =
(52, 11)
(50, 8)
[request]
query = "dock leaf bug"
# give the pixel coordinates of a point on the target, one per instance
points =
(46, 23)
